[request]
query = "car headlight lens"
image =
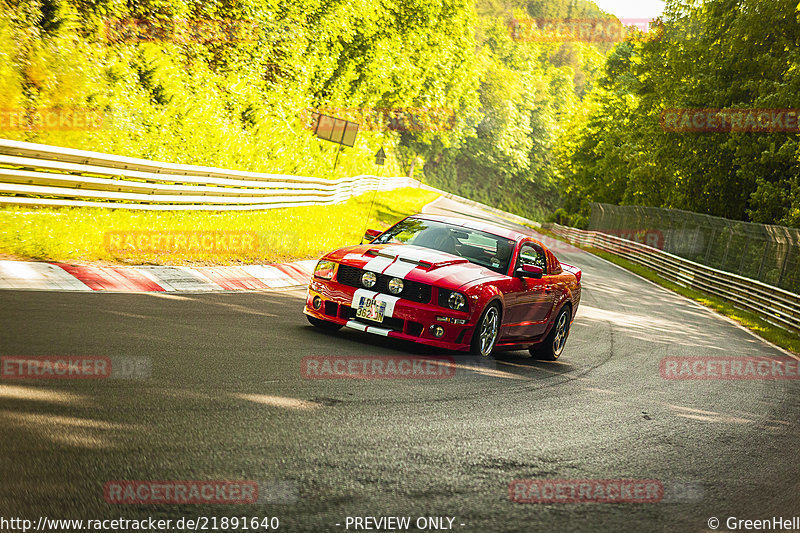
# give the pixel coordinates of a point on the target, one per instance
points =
(457, 301)
(395, 285)
(325, 269)
(368, 279)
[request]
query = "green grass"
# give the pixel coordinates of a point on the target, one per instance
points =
(774, 334)
(78, 234)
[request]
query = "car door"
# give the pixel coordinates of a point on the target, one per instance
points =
(531, 301)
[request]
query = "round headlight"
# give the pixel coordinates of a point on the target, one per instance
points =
(456, 301)
(395, 285)
(368, 279)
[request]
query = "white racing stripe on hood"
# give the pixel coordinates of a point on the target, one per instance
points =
(393, 250)
(377, 264)
(418, 253)
(399, 269)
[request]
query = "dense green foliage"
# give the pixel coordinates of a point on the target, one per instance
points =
(718, 54)
(527, 93)
(237, 103)
(536, 126)
(242, 103)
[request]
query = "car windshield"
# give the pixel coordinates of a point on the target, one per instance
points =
(477, 247)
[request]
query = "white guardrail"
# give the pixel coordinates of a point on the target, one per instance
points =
(37, 174)
(777, 306)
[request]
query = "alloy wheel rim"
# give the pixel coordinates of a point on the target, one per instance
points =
(488, 331)
(561, 334)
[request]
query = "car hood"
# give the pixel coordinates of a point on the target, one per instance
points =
(414, 263)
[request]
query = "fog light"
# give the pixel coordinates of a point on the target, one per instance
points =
(316, 302)
(368, 279)
(437, 331)
(395, 285)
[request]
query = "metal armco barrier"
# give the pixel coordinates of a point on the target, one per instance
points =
(764, 252)
(36, 174)
(777, 306)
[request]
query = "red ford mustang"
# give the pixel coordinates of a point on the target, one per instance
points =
(450, 283)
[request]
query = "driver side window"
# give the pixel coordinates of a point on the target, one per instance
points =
(530, 255)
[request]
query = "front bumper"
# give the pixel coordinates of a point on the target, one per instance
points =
(404, 319)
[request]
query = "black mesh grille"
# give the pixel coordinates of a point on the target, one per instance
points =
(347, 275)
(412, 290)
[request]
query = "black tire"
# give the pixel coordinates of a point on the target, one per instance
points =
(483, 340)
(324, 324)
(553, 345)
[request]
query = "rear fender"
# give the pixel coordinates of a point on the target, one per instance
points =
(575, 271)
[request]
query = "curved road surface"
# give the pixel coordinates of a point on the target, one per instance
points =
(226, 400)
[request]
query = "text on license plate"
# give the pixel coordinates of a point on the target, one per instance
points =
(370, 309)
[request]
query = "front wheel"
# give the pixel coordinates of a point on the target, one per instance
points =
(485, 336)
(553, 345)
(324, 324)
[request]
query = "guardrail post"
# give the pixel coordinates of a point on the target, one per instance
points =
(727, 247)
(785, 262)
(710, 245)
(763, 260)
(744, 254)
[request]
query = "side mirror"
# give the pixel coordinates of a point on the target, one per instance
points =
(529, 271)
(370, 234)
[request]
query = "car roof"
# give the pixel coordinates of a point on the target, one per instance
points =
(512, 231)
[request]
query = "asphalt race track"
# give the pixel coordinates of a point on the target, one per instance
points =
(226, 400)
